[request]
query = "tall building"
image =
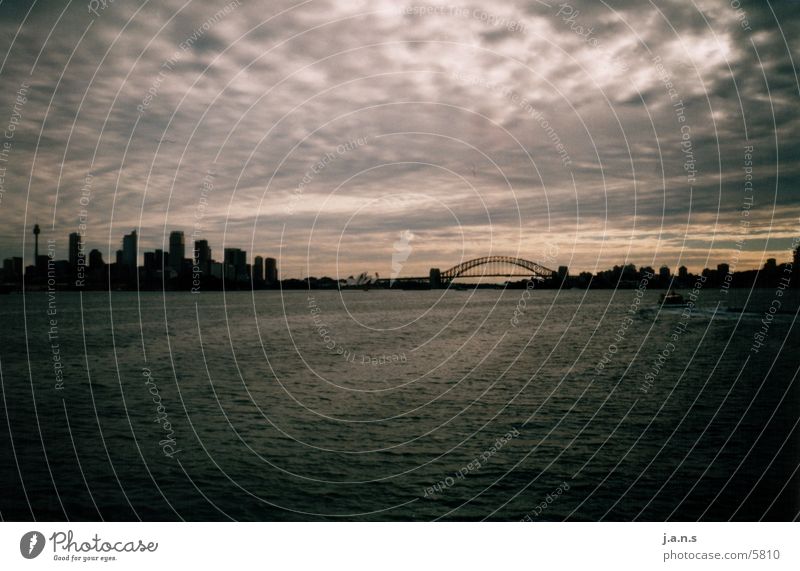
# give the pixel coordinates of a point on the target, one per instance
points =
(161, 259)
(36, 232)
(683, 272)
(129, 252)
(271, 271)
(177, 250)
(12, 269)
(258, 269)
(150, 262)
(202, 255)
(664, 273)
(74, 249)
(96, 259)
(435, 278)
(235, 263)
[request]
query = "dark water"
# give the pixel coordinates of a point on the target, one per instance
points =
(269, 421)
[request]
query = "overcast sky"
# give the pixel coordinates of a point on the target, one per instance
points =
(332, 135)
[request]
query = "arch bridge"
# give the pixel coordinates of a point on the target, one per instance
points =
(497, 266)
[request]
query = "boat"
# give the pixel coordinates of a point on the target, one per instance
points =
(672, 298)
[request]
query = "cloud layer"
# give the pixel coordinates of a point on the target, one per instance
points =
(327, 130)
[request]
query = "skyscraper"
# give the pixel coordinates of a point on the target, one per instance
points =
(150, 262)
(96, 259)
(74, 249)
(202, 255)
(235, 263)
(161, 260)
(177, 250)
(258, 269)
(36, 232)
(129, 253)
(12, 269)
(271, 271)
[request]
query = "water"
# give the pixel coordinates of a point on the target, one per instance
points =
(395, 405)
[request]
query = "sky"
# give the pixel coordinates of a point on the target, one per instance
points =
(392, 137)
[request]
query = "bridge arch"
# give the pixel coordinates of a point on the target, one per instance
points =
(498, 266)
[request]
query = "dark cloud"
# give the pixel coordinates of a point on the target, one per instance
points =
(463, 107)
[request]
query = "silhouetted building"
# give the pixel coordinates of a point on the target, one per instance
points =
(664, 273)
(771, 265)
(722, 270)
(258, 269)
(74, 249)
(435, 278)
(236, 264)
(12, 269)
(271, 271)
(119, 259)
(683, 272)
(129, 250)
(161, 259)
(202, 255)
(150, 262)
(96, 259)
(36, 232)
(177, 250)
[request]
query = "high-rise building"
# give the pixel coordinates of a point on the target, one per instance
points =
(150, 262)
(161, 259)
(129, 252)
(36, 232)
(271, 271)
(12, 269)
(202, 255)
(177, 250)
(435, 278)
(664, 273)
(74, 249)
(683, 272)
(96, 259)
(258, 269)
(235, 263)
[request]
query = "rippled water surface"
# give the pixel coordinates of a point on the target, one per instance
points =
(394, 405)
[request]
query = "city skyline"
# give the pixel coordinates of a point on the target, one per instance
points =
(259, 269)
